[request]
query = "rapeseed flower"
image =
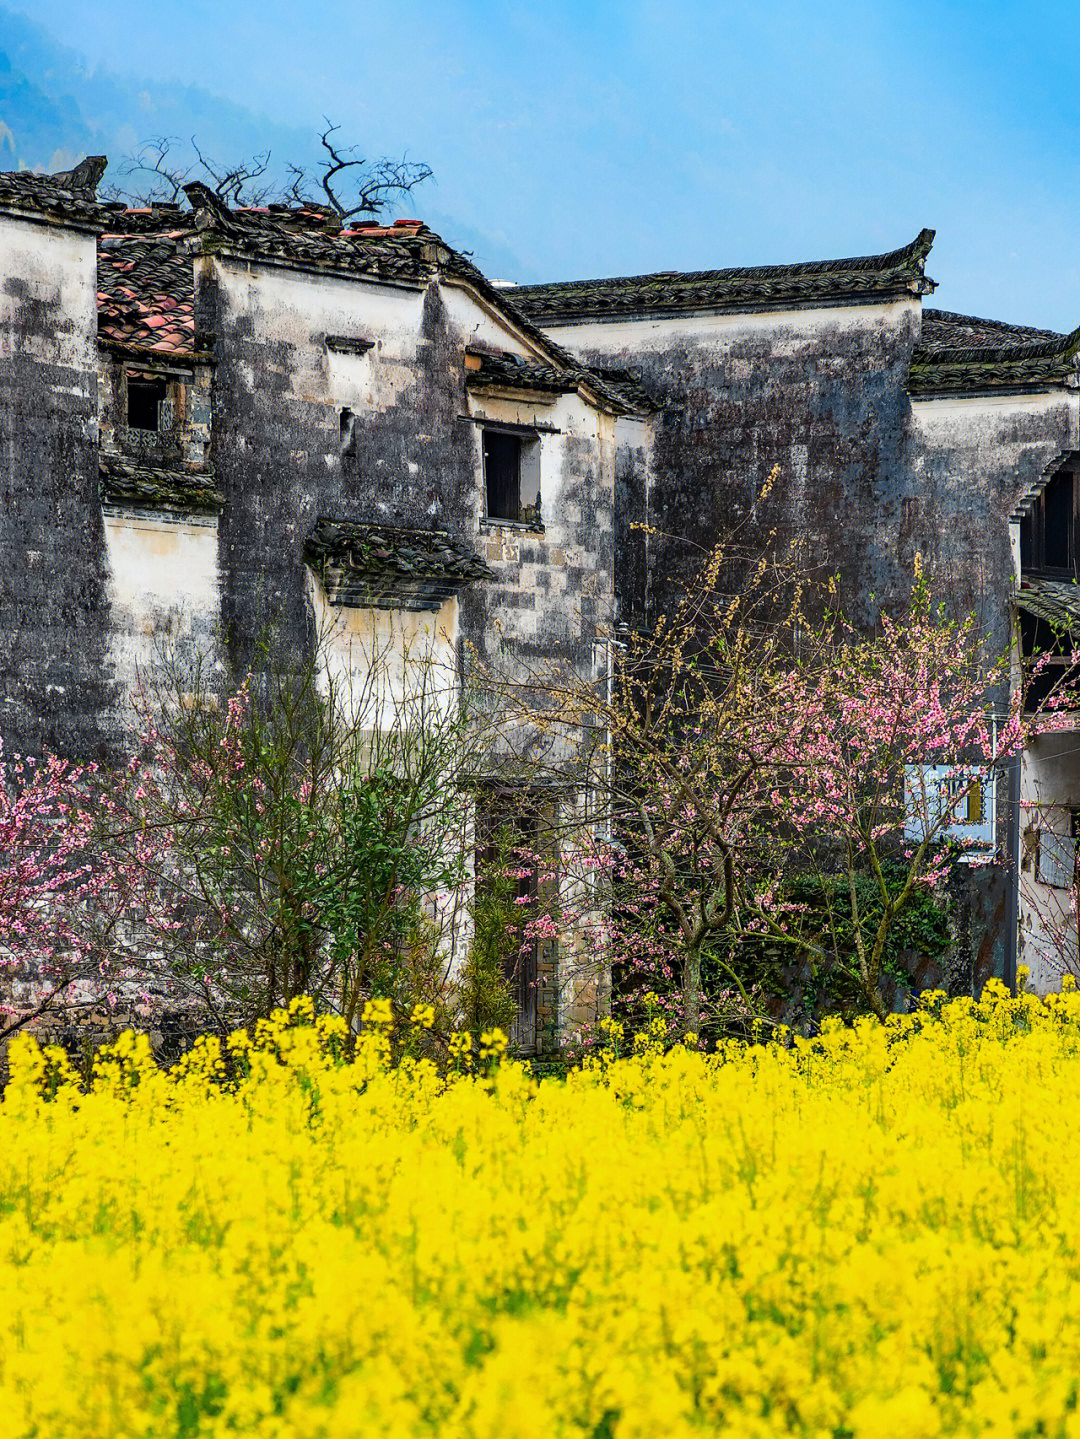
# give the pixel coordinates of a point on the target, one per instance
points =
(870, 1234)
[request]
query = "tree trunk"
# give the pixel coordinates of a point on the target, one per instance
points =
(691, 991)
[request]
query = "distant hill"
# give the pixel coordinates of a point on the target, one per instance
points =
(54, 109)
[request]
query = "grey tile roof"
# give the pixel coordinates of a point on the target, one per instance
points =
(628, 384)
(311, 239)
(1056, 601)
(384, 567)
(124, 482)
(945, 330)
(68, 197)
(962, 353)
(515, 373)
(899, 271)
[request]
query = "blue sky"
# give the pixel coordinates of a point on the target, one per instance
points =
(580, 139)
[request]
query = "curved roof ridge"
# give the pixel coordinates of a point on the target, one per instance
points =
(932, 312)
(912, 253)
(1060, 346)
(1029, 365)
(69, 196)
(852, 278)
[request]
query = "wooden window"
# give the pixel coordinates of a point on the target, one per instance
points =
(1050, 532)
(1056, 859)
(145, 396)
(511, 477)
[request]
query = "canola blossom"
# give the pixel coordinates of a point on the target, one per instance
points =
(871, 1233)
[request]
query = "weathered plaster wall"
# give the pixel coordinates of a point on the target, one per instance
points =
(817, 392)
(277, 444)
(163, 590)
(385, 664)
(972, 458)
(1049, 791)
(56, 688)
(405, 454)
(553, 586)
(867, 479)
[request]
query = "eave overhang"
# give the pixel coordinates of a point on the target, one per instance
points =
(851, 281)
(1042, 365)
(373, 566)
(67, 199)
(1055, 601)
(125, 483)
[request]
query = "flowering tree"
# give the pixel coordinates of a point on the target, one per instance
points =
(685, 741)
(61, 895)
(898, 740)
(768, 783)
(300, 834)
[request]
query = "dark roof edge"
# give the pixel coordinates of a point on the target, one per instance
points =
(1022, 332)
(247, 251)
(609, 399)
(67, 198)
(144, 354)
(846, 281)
(126, 483)
(1042, 364)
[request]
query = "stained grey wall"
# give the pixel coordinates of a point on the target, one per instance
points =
(817, 393)
(867, 480)
(56, 688)
(406, 455)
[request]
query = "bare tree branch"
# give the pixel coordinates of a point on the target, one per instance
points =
(344, 181)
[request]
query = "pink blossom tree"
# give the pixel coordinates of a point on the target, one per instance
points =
(61, 894)
(684, 741)
(771, 781)
(902, 736)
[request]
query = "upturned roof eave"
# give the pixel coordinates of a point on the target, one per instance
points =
(58, 217)
(1024, 368)
(846, 281)
(786, 304)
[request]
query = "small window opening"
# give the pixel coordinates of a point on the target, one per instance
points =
(347, 432)
(512, 477)
(1050, 532)
(145, 398)
(1056, 859)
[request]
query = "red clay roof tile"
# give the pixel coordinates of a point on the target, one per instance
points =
(146, 292)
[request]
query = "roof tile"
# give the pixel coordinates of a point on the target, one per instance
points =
(962, 353)
(384, 567)
(668, 291)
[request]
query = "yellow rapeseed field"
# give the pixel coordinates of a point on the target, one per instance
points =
(874, 1233)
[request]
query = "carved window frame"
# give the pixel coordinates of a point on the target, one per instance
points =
(1056, 505)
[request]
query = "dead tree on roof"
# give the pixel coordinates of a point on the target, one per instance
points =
(349, 183)
(343, 181)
